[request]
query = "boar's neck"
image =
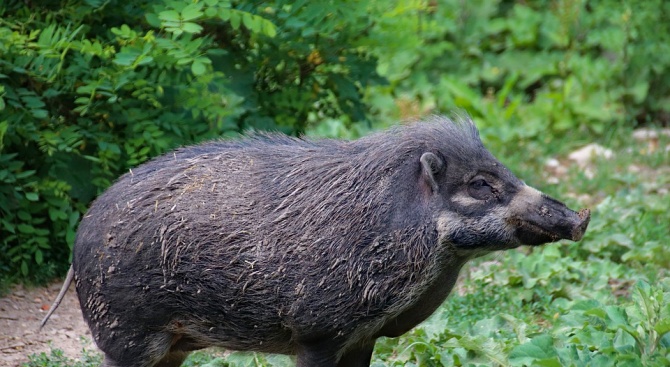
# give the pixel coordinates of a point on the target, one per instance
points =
(435, 290)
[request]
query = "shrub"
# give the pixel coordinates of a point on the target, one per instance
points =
(93, 88)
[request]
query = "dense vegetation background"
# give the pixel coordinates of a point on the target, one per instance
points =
(91, 88)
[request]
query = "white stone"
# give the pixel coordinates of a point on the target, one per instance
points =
(552, 163)
(586, 154)
(650, 134)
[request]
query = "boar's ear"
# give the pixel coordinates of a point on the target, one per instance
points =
(431, 165)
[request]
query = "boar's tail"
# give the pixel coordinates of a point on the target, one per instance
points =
(59, 298)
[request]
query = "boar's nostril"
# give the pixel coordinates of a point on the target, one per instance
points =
(578, 232)
(584, 214)
(544, 211)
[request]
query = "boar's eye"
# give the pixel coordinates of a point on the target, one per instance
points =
(480, 189)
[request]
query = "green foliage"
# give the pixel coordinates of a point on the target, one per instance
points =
(631, 228)
(56, 359)
(81, 103)
(537, 70)
(239, 359)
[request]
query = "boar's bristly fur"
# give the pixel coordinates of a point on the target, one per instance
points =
(306, 247)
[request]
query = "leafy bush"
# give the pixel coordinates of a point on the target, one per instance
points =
(93, 88)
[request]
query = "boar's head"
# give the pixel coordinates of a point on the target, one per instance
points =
(481, 205)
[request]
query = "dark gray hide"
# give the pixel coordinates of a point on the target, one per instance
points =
(283, 245)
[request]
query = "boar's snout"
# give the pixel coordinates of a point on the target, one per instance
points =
(541, 219)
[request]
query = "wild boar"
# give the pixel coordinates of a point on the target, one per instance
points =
(307, 247)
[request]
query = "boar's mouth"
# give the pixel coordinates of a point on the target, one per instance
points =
(550, 220)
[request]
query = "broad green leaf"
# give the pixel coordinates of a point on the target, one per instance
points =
(39, 113)
(225, 14)
(662, 327)
(24, 215)
(235, 20)
(278, 360)
(621, 239)
(126, 58)
(189, 27)
(144, 60)
(82, 100)
(191, 11)
(269, 29)
(198, 68)
(169, 16)
(216, 362)
(249, 22)
(26, 228)
(540, 348)
(211, 12)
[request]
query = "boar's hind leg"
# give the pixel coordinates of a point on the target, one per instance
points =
(174, 359)
(170, 360)
(162, 349)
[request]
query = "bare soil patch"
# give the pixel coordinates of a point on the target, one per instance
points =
(21, 312)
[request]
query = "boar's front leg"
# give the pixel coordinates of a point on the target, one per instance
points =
(325, 354)
(317, 354)
(358, 357)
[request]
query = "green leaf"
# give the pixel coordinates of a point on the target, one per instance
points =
(169, 16)
(621, 239)
(539, 349)
(617, 315)
(225, 14)
(26, 228)
(192, 28)
(25, 174)
(57, 214)
(198, 68)
(278, 360)
(191, 11)
(241, 359)
(3, 130)
(211, 12)
(32, 196)
(153, 20)
(217, 362)
(82, 100)
(24, 215)
(249, 22)
(269, 29)
(39, 113)
(235, 20)
(9, 227)
(39, 257)
(126, 58)
(662, 327)
(144, 60)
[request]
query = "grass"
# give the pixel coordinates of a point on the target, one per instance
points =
(602, 302)
(56, 359)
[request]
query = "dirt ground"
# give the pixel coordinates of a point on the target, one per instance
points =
(21, 312)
